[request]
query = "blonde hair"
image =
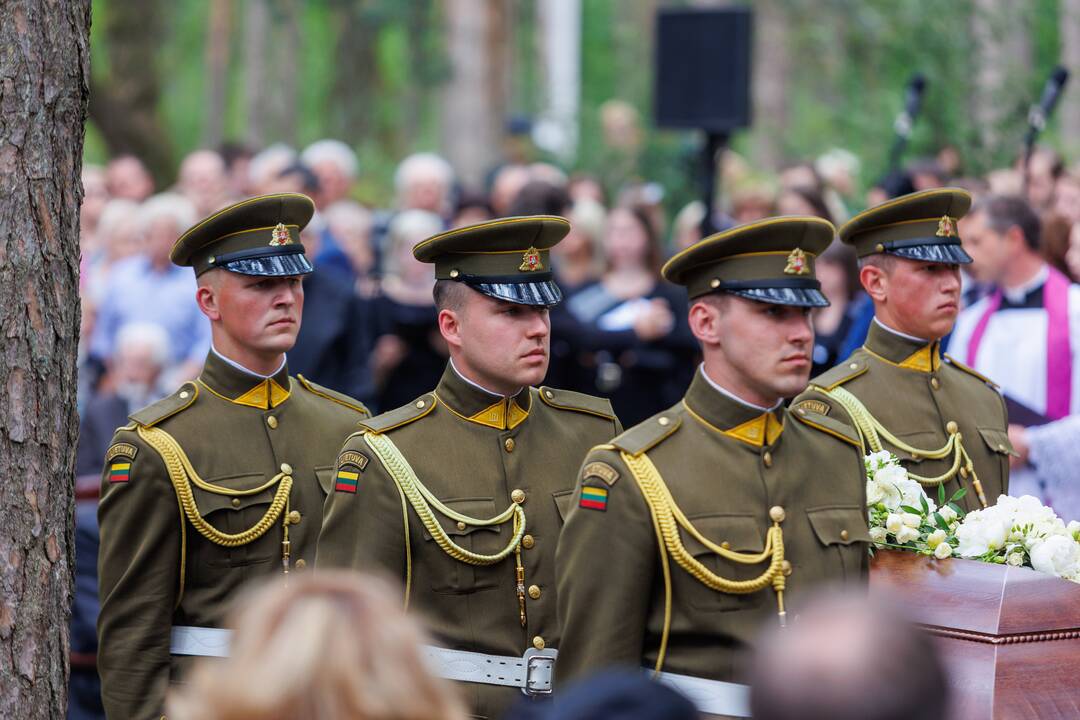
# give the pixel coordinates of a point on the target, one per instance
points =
(328, 646)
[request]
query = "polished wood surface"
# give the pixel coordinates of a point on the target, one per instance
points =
(1009, 637)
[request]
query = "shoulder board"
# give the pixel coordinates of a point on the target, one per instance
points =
(167, 407)
(648, 434)
(400, 416)
(808, 412)
(579, 402)
(970, 371)
(850, 369)
(333, 396)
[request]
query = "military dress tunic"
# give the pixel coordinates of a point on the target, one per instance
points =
(921, 397)
(477, 453)
(726, 465)
(239, 432)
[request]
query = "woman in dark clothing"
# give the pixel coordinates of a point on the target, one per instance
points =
(631, 331)
(839, 276)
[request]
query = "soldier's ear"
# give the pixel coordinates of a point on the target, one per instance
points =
(207, 298)
(875, 280)
(450, 327)
(704, 319)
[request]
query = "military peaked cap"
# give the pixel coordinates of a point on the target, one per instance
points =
(919, 226)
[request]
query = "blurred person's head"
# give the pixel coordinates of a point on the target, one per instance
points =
(237, 158)
(838, 272)
(1043, 170)
(756, 338)
(838, 168)
(249, 262)
(95, 196)
(351, 223)
(848, 658)
(335, 165)
(295, 178)
(505, 187)
(118, 229)
(583, 186)
(802, 201)
(800, 174)
(892, 185)
(1054, 241)
(540, 197)
(578, 257)
(328, 646)
(493, 296)
(926, 174)
(202, 180)
(620, 125)
(161, 220)
(630, 242)
(423, 182)
(266, 166)
(312, 235)
(1072, 255)
(1002, 235)
(139, 357)
(751, 202)
(1067, 197)
(127, 177)
(686, 230)
(470, 208)
(406, 230)
(1005, 181)
(948, 159)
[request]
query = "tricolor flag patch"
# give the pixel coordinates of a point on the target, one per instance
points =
(594, 498)
(347, 479)
(120, 472)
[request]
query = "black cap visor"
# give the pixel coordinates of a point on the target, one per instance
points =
(266, 262)
(543, 293)
(799, 292)
(945, 253)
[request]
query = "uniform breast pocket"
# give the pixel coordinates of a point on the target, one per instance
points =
(737, 532)
(235, 515)
(842, 530)
(564, 500)
(325, 475)
(447, 574)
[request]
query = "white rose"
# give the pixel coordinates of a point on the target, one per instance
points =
(979, 534)
(1016, 559)
(1056, 555)
(912, 520)
(894, 523)
(875, 493)
(906, 534)
(947, 514)
(936, 538)
(877, 534)
(943, 551)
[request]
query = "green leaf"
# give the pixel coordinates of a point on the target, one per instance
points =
(913, 511)
(957, 509)
(958, 494)
(941, 494)
(940, 522)
(925, 506)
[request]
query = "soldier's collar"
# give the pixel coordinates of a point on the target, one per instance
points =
(720, 411)
(229, 381)
(902, 350)
(471, 402)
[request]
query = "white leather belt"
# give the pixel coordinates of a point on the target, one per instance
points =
(533, 672)
(206, 642)
(714, 697)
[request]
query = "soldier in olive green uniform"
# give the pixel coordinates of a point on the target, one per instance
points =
(222, 482)
(462, 492)
(693, 528)
(946, 422)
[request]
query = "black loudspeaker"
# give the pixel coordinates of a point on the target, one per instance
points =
(703, 68)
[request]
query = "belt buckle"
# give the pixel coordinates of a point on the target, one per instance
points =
(537, 661)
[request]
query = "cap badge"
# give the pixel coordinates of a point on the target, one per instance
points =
(946, 227)
(530, 261)
(280, 235)
(796, 263)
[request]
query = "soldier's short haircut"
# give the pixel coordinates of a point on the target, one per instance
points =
(882, 261)
(449, 295)
(1007, 211)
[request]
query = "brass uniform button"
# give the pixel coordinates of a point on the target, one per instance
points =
(509, 444)
(538, 642)
(714, 283)
(1001, 448)
(844, 535)
(854, 366)
(286, 468)
(184, 395)
(461, 525)
(785, 567)
(534, 592)
(518, 496)
(454, 274)
(420, 404)
(294, 517)
(726, 545)
(528, 541)
(767, 459)
(664, 421)
(935, 383)
(272, 422)
(951, 427)
(301, 564)
(879, 248)
(236, 502)
(550, 395)
(776, 513)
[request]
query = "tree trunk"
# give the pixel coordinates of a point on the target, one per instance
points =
(474, 100)
(44, 84)
(124, 104)
(256, 31)
(218, 43)
(1001, 30)
(772, 72)
(1070, 58)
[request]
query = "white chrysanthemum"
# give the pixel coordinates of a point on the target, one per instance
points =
(906, 534)
(1058, 555)
(877, 534)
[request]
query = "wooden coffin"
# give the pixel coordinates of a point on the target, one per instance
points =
(1009, 637)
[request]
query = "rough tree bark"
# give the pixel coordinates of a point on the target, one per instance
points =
(44, 85)
(218, 49)
(1069, 14)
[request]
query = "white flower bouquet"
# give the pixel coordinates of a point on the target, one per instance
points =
(1015, 531)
